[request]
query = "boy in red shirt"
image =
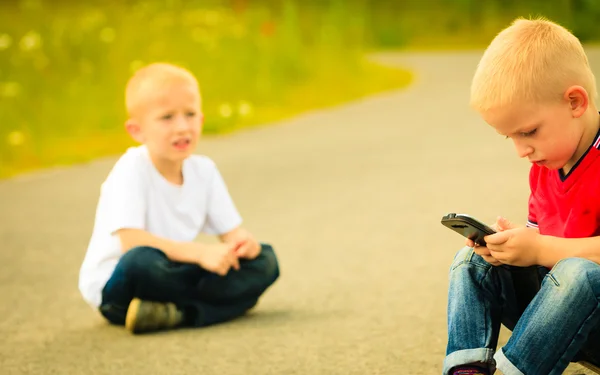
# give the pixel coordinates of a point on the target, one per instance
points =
(534, 85)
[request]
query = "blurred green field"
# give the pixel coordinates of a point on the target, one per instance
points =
(63, 64)
(63, 67)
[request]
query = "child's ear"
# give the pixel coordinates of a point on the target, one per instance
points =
(134, 129)
(578, 100)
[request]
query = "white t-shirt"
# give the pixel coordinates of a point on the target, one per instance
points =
(135, 195)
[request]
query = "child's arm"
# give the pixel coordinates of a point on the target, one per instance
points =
(249, 248)
(556, 248)
(526, 247)
(218, 258)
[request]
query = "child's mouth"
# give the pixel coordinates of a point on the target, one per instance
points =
(182, 144)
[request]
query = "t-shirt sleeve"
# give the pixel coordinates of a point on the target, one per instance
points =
(222, 216)
(123, 197)
(532, 215)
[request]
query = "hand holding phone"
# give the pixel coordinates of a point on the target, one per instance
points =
(468, 227)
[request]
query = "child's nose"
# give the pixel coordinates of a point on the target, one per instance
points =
(181, 123)
(523, 150)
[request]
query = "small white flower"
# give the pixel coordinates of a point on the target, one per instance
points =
(225, 110)
(15, 138)
(5, 41)
(30, 41)
(107, 35)
(245, 109)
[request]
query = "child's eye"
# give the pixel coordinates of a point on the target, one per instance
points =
(190, 114)
(167, 117)
(529, 133)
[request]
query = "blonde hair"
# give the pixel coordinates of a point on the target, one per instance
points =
(146, 81)
(531, 60)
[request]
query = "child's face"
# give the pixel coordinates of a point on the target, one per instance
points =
(548, 135)
(170, 122)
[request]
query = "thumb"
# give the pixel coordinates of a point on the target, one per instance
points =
(504, 224)
(238, 246)
(498, 238)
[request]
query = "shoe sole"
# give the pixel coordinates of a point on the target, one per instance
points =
(132, 313)
(589, 366)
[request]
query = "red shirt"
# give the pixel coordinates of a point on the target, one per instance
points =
(567, 206)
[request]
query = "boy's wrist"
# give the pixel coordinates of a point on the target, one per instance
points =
(551, 250)
(186, 252)
(196, 252)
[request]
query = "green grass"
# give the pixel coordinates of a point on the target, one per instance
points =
(63, 68)
(54, 150)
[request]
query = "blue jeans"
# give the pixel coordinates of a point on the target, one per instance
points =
(205, 298)
(558, 326)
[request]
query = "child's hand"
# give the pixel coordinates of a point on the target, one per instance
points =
(516, 247)
(219, 258)
(500, 225)
(484, 252)
(249, 248)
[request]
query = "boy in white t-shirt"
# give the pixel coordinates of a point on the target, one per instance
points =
(143, 268)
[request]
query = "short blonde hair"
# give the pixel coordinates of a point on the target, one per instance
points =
(531, 60)
(151, 78)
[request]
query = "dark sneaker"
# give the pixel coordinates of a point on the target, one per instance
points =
(147, 316)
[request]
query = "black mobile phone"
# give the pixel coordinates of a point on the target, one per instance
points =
(468, 227)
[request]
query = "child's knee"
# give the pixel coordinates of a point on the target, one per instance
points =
(142, 261)
(269, 265)
(466, 257)
(576, 273)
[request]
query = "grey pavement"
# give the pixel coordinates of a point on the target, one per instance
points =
(350, 197)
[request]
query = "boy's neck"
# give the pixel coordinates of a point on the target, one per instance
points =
(589, 134)
(172, 171)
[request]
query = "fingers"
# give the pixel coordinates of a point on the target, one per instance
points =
(481, 250)
(242, 251)
(504, 224)
(486, 254)
(470, 243)
(491, 260)
(257, 247)
(499, 238)
(228, 262)
(235, 263)
(223, 268)
(250, 250)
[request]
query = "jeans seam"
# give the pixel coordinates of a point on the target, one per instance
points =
(562, 357)
(469, 259)
(553, 279)
(483, 267)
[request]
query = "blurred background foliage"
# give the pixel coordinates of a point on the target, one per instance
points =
(64, 64)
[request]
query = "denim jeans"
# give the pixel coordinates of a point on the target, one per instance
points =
(205, 298)
(559, 325)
